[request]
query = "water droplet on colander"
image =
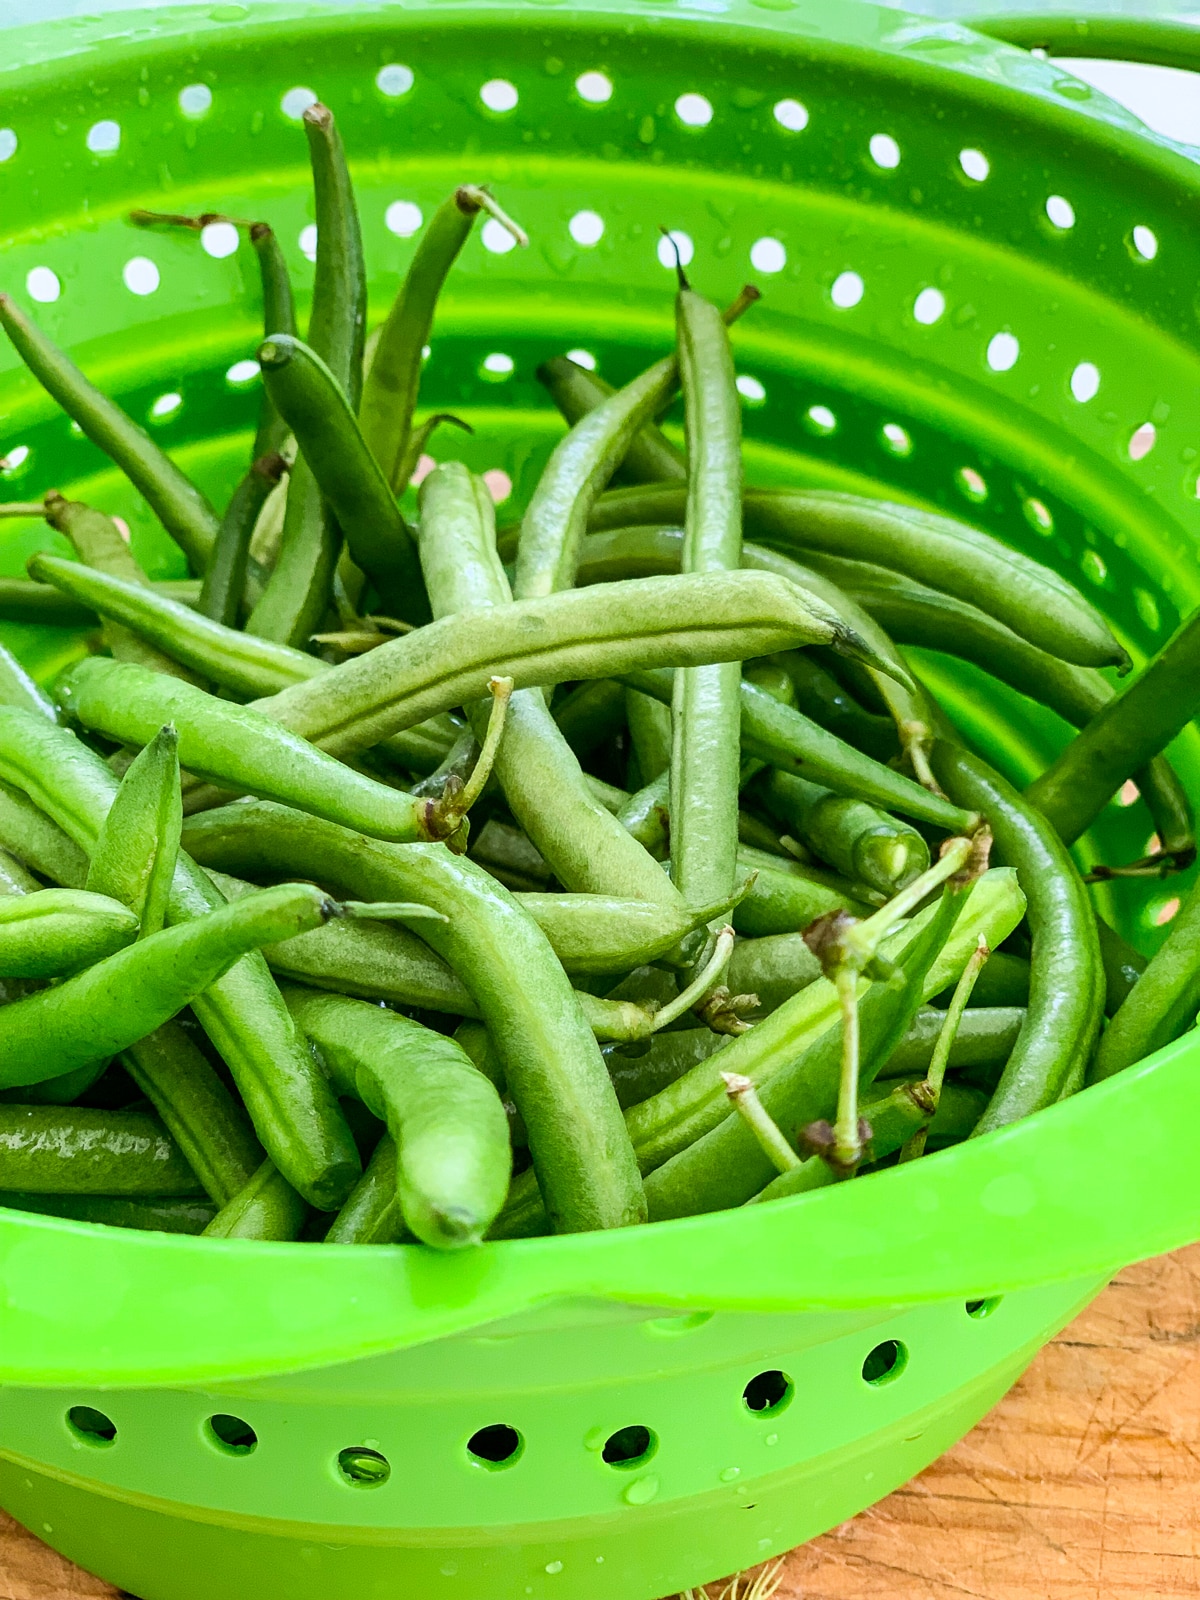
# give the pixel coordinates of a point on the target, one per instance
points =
(554, 1566)
(730, 1473)
(772, 1438)
(641, 1491)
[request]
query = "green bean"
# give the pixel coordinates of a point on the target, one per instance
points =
(224, 585)
(202, 1116)
(649, 457)
(820, 696)
(542, 780)
(728, 1165)
(1162, 1003)
(18, 689)
(243, 1013)
(77, 1150)
(786, 896)
(864, 844)
(175, 501)
(15, 876)
(649, 725)
(1123, 736)
(1004, 982)
(239, 748)
(337, 322)
(705, 710)
(646, 815)
(53, 932)
(552, 1062)
(30, 834)
(509, 856)
(98, 543)
(774, 968)
(157, 1216)
(950, 555)
(669, 1056)
(22, 601)
(371, 1214)
(117, 1001)
(240, 662)
(785, 738)
(578, 470)
(453, 1158)
(1066, 987)
(267, 1208)
(390, 391)
(310, 398)
(591, 715)
(295, 596)
(138, 844)
(985, 1038)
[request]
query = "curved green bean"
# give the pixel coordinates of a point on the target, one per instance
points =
(138, 843)
(53, 932)
(1162, 1003)
(266, 1208)
(371, 1214)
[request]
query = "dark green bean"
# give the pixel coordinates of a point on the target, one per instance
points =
(78, 1150)
(175, 501)
(338, 320)
(985, 1038)
(1003, 982)
(649, 723)
(371, 1214)
(30, 834)
(786, 896)
(1066, 987)
(22, 601)
(820, 696)
(54, 932)
(950, 555)
(1123, 736)
(289, 1102)
(138, 844)
(864, 844)
(295, 596)
(591, 715)
(774, 968)
(267, 1208)
(705, 709)
(1162, 1003)
(390, 391)
(157, 1216)
(1123, 966)
(310, 398)
(669, 1056)
(453, 1159)
(206, 1122)
(237, 747)
(552, 1061)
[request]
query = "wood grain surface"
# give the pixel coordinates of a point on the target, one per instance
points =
(1084, 1484)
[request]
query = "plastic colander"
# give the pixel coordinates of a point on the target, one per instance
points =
(979, 288)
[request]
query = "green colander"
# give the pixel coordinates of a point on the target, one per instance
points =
(980, 292)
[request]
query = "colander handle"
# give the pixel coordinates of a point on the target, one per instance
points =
(1153, 42)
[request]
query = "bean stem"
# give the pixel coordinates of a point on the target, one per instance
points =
(936, 1075)
(744, 1098)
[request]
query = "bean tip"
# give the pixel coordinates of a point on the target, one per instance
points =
(318, 115)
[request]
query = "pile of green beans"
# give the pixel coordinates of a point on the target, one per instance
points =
(398, 879)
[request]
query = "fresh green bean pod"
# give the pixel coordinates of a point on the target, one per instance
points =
(1003, 982)
(649, 724)
(649, 457)
(820, 696)
(1123, 736)
(115, 1002)
(338, 320)
(55, 932)
(646, 815)
(78, 1150)
(15, 876)
(705, 709)
(727, 1166)
(238, 748)
(28, 832)
(197, 1109)
(453, 1158)
(1163, 1002)
(588, 849)
(310, 398)
(225, 575)
(553, 1064)
(175, 501)
(578, 470)
(591, 715)
(138, 844)
(940, 551)
(863, 843)
(668, 1056)
(1066, 987)
(786, 896)
(606, 933)
(389, 396)
(372, 1214)
(98, 543)
(114, 1211)
(23, 601)
(290, 1104)
(267, 1208)
(774, 968)
(985, 1038)
(297, 592)
(240, 662)
(785, 738)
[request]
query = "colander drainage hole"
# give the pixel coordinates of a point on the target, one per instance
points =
(495, 1446)
(886, 1362)
(982, 1308)
(235, 1437)
(768, 1393)
(365, 1469)
(629, 1447)
(92, 1426)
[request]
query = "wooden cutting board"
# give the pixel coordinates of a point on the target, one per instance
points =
(1084, 1484)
